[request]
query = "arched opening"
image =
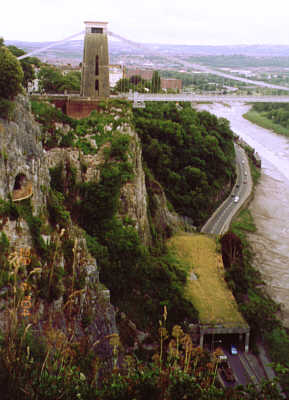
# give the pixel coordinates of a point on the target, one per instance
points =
(22, 188)
(19, 181)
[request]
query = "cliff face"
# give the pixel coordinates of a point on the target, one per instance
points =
(60, 258)
(21, 155)
(23, 172)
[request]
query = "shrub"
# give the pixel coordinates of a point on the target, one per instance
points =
(57, 212)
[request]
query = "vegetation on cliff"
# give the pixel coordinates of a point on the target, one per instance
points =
(11, 76)
(62, 351)
(190, 153)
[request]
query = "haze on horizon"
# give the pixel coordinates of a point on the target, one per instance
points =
(210, 22)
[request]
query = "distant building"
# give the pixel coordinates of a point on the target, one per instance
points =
(95, 75)
(171, 83)
(145, 74)
(115, 74)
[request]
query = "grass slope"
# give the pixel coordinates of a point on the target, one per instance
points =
(209, 292)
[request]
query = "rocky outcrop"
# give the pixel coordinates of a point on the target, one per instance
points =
(165, 221)
(133, 195)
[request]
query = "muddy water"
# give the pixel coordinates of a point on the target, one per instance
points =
(270, 207)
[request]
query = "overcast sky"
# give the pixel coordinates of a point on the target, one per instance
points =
(204, 22)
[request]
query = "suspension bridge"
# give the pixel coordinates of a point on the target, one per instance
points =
(140, 98)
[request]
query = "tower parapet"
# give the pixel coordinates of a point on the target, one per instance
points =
(95, 73)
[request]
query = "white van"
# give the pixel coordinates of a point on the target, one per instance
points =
(236, 199)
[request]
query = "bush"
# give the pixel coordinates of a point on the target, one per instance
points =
(57, 213)
(11, 74)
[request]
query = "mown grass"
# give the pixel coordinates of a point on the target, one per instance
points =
(209, 293)
(261, 120)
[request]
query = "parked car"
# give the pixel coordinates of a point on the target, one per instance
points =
(236, 199)
(233, 350)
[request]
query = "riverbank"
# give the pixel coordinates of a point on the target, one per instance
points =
(261, 120)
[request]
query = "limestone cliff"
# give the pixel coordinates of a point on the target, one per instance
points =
(23, 172)
(55, 265)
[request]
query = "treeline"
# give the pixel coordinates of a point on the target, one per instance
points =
(190, 153)
(276, 112)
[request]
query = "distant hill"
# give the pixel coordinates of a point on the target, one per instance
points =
(71, 52)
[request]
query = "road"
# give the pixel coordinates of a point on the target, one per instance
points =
(219, 222)
(235, 363)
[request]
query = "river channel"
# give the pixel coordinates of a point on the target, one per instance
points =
(270, 206)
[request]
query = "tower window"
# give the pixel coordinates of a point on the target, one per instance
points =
(96, 85)
(96, 65)
(96, 30)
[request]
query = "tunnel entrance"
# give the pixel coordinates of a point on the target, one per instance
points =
(212, 337)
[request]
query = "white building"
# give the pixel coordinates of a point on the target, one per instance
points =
(115, 74)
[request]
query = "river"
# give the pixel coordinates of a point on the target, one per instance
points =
(270, 206)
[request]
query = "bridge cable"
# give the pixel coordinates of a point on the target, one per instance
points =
(50, 45)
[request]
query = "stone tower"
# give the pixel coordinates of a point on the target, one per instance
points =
(95, 74)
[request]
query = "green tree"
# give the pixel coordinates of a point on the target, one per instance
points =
(11, 74)
(123, 85)
(71, 81)
(135, 79)
(27, 64)
(50, 79)
(156, 82)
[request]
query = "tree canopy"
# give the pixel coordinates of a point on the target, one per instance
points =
(11, 74)
(26, 64)
(52, 80)
(190, 153)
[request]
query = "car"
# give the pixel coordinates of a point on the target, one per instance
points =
(245, 182)
(243, 161)
(227, 373)
(238, 185)
(233, 350)
(236, 199)
(245, 172)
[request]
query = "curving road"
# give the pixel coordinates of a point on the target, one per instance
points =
(220, 221)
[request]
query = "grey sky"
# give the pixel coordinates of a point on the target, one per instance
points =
(162, 21)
